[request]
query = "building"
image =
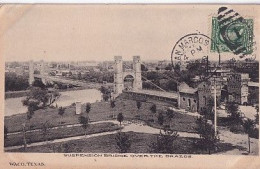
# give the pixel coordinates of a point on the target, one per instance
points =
(237, 87)
(188, 98)
(146, 95)
(253, 93)
(204, 95)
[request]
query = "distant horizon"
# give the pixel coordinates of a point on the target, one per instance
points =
(152, 60)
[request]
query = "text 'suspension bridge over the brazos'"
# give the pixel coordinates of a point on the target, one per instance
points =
(142, 82)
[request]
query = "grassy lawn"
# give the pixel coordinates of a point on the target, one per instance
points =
(102, 111)
(50, 115)
(37, 136)
(107, 144)
(180, 122)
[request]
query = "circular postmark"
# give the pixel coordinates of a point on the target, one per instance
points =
(195, 47)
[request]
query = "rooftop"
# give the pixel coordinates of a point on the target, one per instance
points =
(184, 88)
(253, 84)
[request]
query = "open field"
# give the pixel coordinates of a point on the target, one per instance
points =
(107, 144)
(58, 133)
(102, 111)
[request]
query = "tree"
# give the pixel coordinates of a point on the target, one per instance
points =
(103, 90)
(164, 142)
(232, 110)
(257, 115)
(38, 83)
(105, 97)
(168, 67)
(46, 130)
(170, 115)
(39, 98)
(61, 112)
(160, 120)
(153, 110)
(5, 132)
(14, 82)
(120, 117)
(207, 113)
(208, 140)
(171, 85)
(29, 115)
(88, 108)
(79, 76)
(197, 67)
(138, 105)
(253, 97)
(84, 123)
(24, 137)
(106, 93)
(123, 142)
(112, 105)
(248, 126)
(143, 68)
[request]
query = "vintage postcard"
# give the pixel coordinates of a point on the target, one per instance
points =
(129, 86)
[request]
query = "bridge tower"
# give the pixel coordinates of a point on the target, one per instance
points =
(31, 72)
(42, 70)
(137, 72)
(119, 74)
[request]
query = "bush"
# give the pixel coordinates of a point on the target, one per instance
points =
(236, 128)
(5, 132)
(255, 133)
(233, 112)
(14, 82)
(151, 120)
(208, 140)
(123, 142)
(138, 117)
(164, 142)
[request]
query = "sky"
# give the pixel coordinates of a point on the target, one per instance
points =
(100, 32)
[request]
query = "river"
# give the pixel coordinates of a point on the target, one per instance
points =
(14, 105)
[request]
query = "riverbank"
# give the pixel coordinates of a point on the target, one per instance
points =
(14, 106)
(17, 94)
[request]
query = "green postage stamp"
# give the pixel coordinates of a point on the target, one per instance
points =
(237, 33)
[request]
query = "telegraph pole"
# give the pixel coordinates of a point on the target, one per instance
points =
(215, 107)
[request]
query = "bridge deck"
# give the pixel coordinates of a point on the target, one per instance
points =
(162, 94)
(63, 80)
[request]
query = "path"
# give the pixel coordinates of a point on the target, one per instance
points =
(240, 140)
(138, 127)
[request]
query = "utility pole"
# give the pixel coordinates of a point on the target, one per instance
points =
(24, 137)
(215, 107)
